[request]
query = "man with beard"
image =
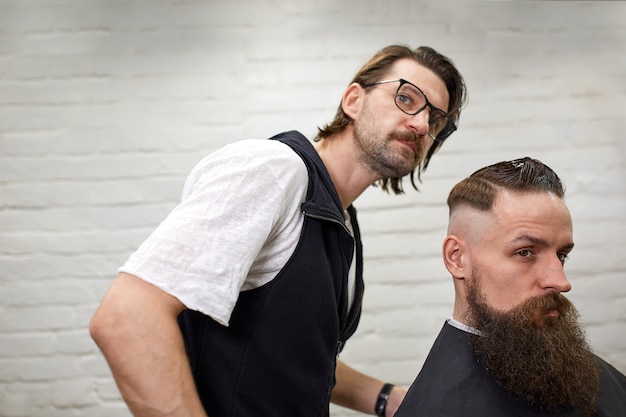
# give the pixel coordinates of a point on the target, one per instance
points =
(513, 346)
(255, 279)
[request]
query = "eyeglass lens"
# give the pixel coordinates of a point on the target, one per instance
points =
(411, 101)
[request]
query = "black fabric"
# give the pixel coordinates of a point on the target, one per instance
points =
(453, 384)
(278, 355)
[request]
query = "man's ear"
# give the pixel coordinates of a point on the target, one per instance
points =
(352, 99)
(454, 256)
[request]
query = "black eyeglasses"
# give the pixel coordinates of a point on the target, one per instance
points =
(412, 100)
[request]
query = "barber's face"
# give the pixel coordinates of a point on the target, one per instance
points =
(390, 141)
(520, 251)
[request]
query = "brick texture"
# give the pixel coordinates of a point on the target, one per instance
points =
(106, 106)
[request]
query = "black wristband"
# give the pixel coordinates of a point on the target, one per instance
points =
(381, 401)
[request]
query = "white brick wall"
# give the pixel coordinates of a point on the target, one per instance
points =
(106, 105)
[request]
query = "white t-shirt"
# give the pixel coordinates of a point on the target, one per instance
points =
(237, 225)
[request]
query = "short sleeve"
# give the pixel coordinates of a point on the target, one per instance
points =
(233, 201)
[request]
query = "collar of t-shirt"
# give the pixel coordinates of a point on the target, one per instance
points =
(461, 326)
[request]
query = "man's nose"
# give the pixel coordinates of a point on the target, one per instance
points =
(419, 122)
(554, 276)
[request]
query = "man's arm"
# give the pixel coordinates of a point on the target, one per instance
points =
(360, 392)
(136, 328)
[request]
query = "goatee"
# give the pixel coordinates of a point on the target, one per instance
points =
(541, 356)
(377, 151)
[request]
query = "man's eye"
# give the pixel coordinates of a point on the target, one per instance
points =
(436, 124)
(524, 253)
(404, 99)
(562, 257)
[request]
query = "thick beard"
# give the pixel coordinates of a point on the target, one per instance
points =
(546, 360)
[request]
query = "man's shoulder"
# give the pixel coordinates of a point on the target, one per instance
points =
(612, 400)
(453, 383)
(252, 154)
(265, 147)
(610, 368)
(250, 161)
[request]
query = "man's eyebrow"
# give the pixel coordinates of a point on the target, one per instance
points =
(539, 242)
(530, 239)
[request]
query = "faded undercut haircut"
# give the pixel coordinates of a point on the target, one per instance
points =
(479, 190)
(377, 68)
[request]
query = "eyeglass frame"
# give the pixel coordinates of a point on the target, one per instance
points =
(450, 127)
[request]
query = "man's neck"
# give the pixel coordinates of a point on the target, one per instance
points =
(349, 176)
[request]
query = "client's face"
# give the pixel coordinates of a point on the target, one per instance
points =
(520, 247)
(536, 349)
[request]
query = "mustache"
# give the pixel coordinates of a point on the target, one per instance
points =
(407, 136)
(547, 303)
(410, 137)
(538, 311)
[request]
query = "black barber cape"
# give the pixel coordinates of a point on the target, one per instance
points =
(452, 383)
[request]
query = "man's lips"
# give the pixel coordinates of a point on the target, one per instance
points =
(540, 315)
(409, 144)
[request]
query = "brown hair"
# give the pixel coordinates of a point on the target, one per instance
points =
(376, 68)
(525, 174)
